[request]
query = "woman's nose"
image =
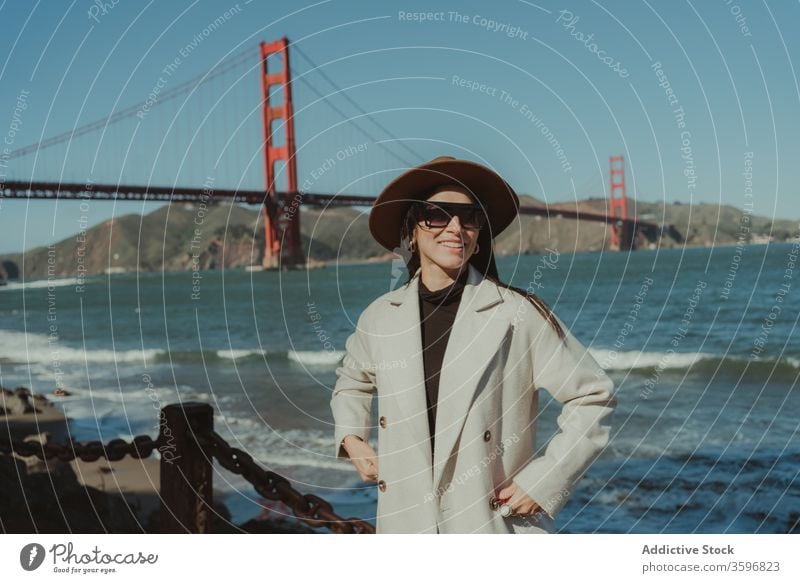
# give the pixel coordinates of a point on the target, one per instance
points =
(454, 225)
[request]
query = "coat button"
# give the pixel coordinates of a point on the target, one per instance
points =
(382, 421)
(382, 486)
(487, 435)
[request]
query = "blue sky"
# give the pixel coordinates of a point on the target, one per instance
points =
(555, 104)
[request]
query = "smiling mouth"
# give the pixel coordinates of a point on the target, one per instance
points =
(452, 244)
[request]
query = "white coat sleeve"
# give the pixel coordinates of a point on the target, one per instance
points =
(351, 401)
(575, 379)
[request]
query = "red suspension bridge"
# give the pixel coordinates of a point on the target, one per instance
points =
(275, 148)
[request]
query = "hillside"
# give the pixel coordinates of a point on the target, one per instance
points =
(228, 236)
(233, 236)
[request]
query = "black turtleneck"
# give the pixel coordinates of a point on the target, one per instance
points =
(437, 314)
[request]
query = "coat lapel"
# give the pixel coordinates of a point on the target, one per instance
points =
(475, 337)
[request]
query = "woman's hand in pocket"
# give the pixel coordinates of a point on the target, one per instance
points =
(521, 504)
(363, 457)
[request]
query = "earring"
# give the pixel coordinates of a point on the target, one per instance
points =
(477, 248)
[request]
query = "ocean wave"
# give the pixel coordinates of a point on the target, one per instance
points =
(316, 357)
(703, 362)
(633, 359)
(40, 283)
(311, 357)
(306, 357)
(31, 347)
(239, 354)
(108, 413)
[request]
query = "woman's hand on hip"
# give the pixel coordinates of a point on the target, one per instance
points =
(521, 504)
(363, 457)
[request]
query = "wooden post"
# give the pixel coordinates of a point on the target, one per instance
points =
(186, 479)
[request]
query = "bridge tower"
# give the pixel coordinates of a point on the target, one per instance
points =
(282, 244)
(621, 232)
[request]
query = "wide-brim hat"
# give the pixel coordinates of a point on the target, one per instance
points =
(498, 199)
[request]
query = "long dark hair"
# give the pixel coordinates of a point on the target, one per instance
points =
(483, 262)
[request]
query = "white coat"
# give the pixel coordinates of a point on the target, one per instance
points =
(500, 351)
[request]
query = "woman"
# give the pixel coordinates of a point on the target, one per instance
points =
(456, 359)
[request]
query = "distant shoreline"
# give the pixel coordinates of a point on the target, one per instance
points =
(325, 263)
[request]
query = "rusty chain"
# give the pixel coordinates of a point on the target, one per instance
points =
(309, 508)
(140, 447)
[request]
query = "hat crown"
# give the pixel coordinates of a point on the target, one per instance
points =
(441, 159)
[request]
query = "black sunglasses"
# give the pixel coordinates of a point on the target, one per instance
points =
(437, 215)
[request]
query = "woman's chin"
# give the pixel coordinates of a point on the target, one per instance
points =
(448, 260)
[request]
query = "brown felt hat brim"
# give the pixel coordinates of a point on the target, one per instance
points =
(495, 194)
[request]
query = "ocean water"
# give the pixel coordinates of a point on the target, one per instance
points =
(700, 342)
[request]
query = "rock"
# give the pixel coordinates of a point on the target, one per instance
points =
(15, 403)
(39, 503)
(275, 518)
(10, 468)
(256, 526)
(23, 414)
(33, 464)
(22, 392)
(220, 520)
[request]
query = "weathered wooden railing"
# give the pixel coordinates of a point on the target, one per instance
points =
(188, 445)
